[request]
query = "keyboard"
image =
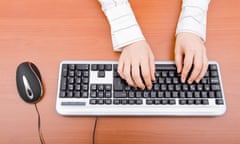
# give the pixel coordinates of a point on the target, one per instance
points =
(94, 88)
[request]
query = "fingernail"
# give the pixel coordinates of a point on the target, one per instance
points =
(189, 81)
(149, 87)
(183, 80)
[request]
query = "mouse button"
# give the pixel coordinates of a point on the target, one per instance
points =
(36, 70)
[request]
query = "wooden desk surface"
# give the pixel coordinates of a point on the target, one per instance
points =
(46, 32)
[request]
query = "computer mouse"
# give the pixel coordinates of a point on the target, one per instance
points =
(29, 82)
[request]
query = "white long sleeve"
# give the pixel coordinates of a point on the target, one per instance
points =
(124, 27)
(193, 17)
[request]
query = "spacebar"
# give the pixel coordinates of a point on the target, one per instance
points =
(73, 103)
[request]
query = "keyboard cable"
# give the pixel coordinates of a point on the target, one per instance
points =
(39, 126)
(94, 129)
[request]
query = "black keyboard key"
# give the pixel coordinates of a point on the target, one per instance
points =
(149, 102)
(175, 94)
(108, 101)
(63, 86)
(117, 83)
(100, 94)
(101, 74)
(190, 101)
(84, 94)
(124, 101)
(108, 94)
(70, 87)
(164, 101)
(62, 94)
(167, 94)
(77, 94)
(85, 87)
(131, 94)
(93, 101)
(204, 94)
(157, 102)
(71, 73)
(108, 67)
(214, 80)
(219, 101)
(131, 101)
(211, 94)
(216, 87)
(83, 66)
(182, 94)
(172, 101)
(116, 101)
(185, 87)
(214, 73)
(219, 94)
(182, 102)
(64, 70)
(153, 94)
(85, 74)
(205, 101)
(160, 94)
(100, 101)
(85, 80)
(139, 94)
(146, 94)
(196, 94)
(78, 87)
(108, 87)
(94, 67)
(213, 67)
(71, 66)
(69, 94)
(78, 80)
(119, 94)
(100, 87)
(101, 67)
(93, 87)
(189, 94)
(197, 102)
(93, 94)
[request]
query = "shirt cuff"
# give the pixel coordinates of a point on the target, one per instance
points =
(193, 17)
(124, 27)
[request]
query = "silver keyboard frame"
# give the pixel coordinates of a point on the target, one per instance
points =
(134, 110)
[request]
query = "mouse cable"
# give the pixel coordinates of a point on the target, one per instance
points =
(39, 126)
(94, 130)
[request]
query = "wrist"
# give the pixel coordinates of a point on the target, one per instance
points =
(124, 26)
(193, 18)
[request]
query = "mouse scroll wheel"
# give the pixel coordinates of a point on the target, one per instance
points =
(27, 88)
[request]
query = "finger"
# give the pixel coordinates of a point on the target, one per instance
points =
(188, 60)
(145, 72)
(178, 60)
(136, 76)
(204, 70)
(152, 68)
(127, 74)
(197, 68)
(120, 68)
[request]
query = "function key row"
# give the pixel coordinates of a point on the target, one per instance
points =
(75, 66)
(101, 67)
